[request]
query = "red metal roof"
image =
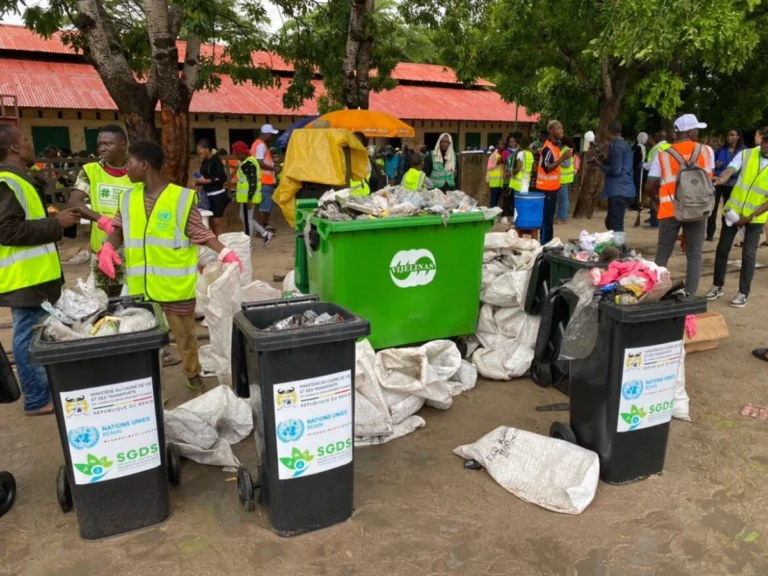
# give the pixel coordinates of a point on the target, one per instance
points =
(74, 86)
(14, 37)
(432, 73)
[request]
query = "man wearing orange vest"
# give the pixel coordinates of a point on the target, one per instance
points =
(548, 177)
(260, 151)
(661, 191)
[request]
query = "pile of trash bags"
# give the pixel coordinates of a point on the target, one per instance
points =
(393, 384)
(84, 312)
(502, 347)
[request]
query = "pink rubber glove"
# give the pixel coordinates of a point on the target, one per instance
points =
(228, 257)
(105, 224)
(108, 257)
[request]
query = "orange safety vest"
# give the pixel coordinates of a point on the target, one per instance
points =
(234, 164)
(267, 176)
(548, 181)
(669, 169)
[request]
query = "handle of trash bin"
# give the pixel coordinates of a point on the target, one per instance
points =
(280, 302)
(322, 229)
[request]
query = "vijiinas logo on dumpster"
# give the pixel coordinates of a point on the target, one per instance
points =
(411, 268)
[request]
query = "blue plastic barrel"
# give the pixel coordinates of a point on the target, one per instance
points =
(530, 210)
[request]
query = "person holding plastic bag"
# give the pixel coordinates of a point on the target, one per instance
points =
(161, 228)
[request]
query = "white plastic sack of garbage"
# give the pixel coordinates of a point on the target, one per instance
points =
(240, 244)
(509, 321)
(289, 283)
(487, 331)
(405, 427)
(421, 370)
(218, 293)
(259, 291)
(507, 290)
(372, 417)
(205, 428)
(529, 331)
(464, 380)
(507, 360)
(401, 404)
(492, 270)
(551, 473)
(681, 406)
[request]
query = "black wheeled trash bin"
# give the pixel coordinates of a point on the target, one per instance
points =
(9, 392)
(301, 386)
(546, 368)
(622, 393)
(109, 409)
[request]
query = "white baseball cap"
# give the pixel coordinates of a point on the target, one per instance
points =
(268, 129)
(688, 122)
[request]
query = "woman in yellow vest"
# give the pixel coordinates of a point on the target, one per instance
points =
(567, 173)
(248, 191)
(30, 271)
(160, 227)
(494, 175)
(415, 179)
(102, 182)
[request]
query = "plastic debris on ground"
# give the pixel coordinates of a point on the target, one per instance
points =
(204, 428)
(755, 411)
(308, 318)
(82, 313)
(551, 473)
(393, 384)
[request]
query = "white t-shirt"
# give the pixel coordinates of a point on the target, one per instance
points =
(655, 171)
(526, 183)
(261, 152)
(736, 163)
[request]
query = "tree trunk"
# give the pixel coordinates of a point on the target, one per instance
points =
(176, 145)
(140, 125)
(356, 67)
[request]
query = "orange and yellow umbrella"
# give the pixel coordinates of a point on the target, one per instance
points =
(369, 122)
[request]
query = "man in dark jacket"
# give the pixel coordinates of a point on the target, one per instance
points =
(619, 186)
(30, 271)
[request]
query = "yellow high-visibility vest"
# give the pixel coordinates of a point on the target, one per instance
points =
(495, 176)
(751, 189)
(241, 192)
(160, 261)
(25, 266)
(568, 168)
(104, 195)
(525, 170)
(414, 180)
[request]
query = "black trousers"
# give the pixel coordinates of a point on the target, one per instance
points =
(722, 193)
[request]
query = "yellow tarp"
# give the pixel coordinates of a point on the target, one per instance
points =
(317, 155)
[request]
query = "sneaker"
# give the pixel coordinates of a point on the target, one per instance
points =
(268, 238)
(740, 301)
(714, 293)
(710, 238)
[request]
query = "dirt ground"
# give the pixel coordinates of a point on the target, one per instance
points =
(419, 512)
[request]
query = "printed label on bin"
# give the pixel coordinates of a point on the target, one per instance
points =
(313, 424)
(648, 385)
(111, 430)
(411, 268)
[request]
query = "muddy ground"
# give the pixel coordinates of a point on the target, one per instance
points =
(419, 512)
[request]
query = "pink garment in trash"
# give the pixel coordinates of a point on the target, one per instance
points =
(618, 270)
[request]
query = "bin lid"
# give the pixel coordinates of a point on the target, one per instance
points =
(254, 319)
(43, 352)
(400, 222)
(653, 311)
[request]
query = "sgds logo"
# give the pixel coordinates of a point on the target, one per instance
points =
(411, 268)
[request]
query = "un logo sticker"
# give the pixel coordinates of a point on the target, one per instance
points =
(83, 437)
(290, 430)
(164, 216)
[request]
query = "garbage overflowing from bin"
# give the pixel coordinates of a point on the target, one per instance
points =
(308, 318)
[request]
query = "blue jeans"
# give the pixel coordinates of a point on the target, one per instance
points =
(495, 194)
(33, 380)
(563, 202)
(548, 225)
(654, 220)
(266, 198)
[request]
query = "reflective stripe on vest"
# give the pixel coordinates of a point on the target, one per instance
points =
(495, 176)
(161, 262)
(567, 168)
(414, 180)
(548, 181)
(104, 194)
(267, 176)
(25, 266)
(362, 187)
(656, 149)
(669, 170)
(751, 189)
(241, 192)
(439, 176)
(525, 170)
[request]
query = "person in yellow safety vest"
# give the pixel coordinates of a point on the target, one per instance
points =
(415, 179)
(520, 181)
(161, 228)
(661, 144)
(748, 202)
(30, 271)
(494, 174)
(248, 191)
(442, 164)
(567, 173)
(362, 187)
(102, 182)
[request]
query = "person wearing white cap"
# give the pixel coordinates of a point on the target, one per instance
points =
(661, 188)
(260, 151)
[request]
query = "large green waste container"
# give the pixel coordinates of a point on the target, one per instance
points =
(303, 210)
(414, 279)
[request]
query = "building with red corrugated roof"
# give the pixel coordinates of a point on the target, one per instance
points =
(62, 100)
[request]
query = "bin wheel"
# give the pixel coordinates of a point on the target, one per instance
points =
(7, 492)
(63, 490)
(245, 489)
(541, 374)
(174, 464)
(562, 431)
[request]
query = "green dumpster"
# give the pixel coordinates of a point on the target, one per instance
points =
(414, 279)
(303, 210)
